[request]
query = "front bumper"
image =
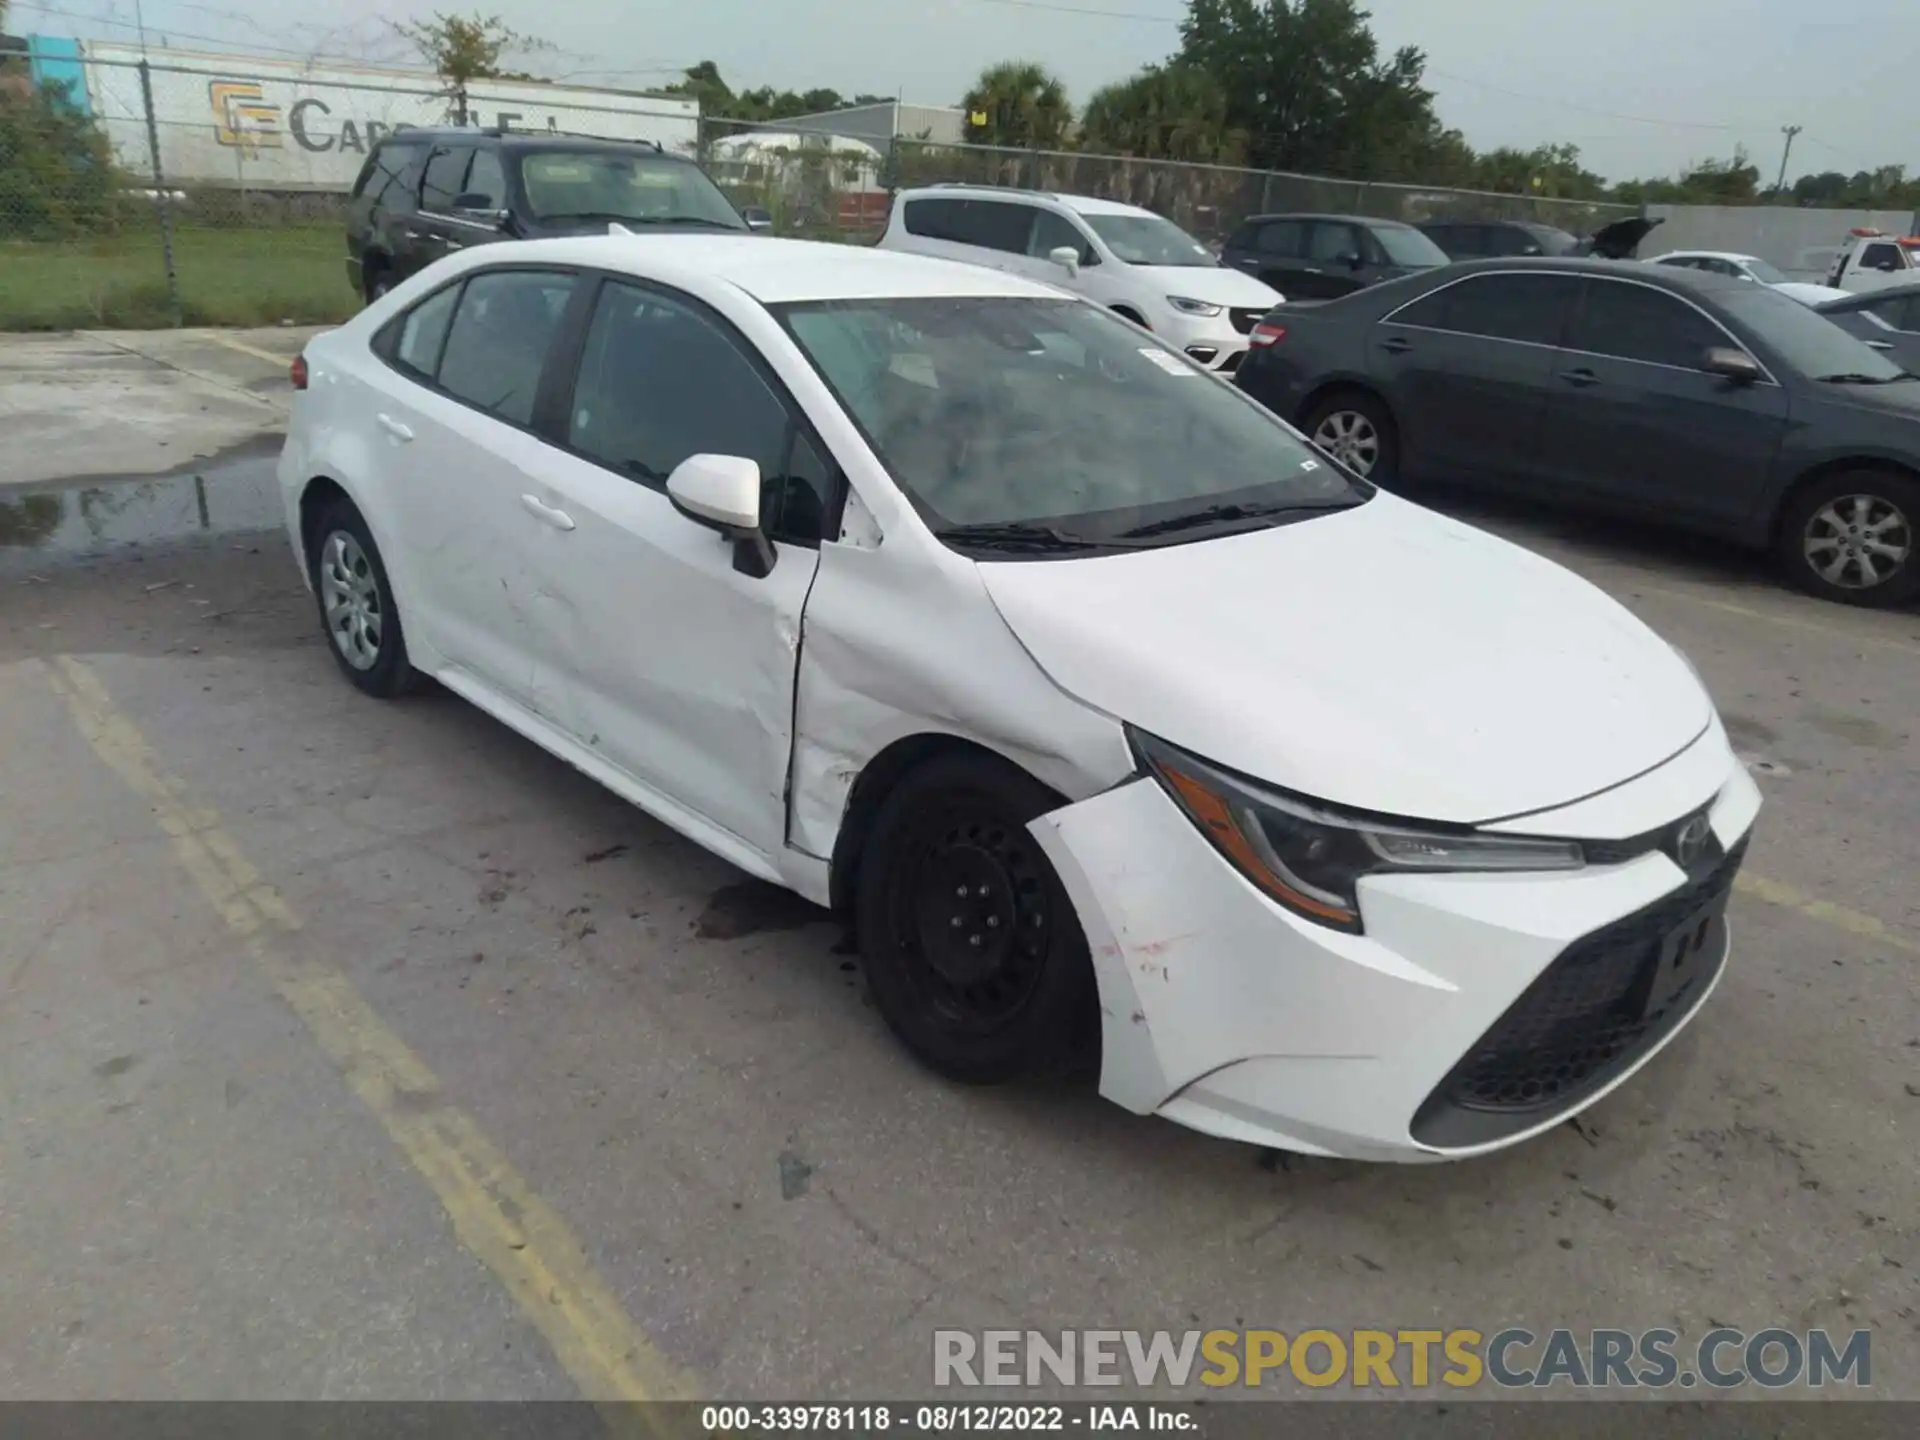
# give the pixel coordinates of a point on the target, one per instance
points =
(1213, 342)
(1227, 1013)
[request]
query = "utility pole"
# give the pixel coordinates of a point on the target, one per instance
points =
(1780, 185)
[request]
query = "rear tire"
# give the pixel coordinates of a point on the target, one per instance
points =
(1357, 430)
(355, 600)
(971, 946)
(1854, 537)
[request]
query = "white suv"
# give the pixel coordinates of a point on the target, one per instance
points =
(1130, 260)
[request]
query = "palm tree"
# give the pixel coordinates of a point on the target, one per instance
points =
(1166, 112)
(1018, 103)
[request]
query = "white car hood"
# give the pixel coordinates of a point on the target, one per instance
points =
(1382, 658)
(1213, 283)
(1810, 294)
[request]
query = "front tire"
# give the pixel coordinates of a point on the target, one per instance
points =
(357, 610)
(1356, 430)
(971, 946)
(1852, 537)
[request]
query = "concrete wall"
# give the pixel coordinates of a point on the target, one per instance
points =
(1800, 242)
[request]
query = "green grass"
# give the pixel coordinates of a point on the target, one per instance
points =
(227, 277)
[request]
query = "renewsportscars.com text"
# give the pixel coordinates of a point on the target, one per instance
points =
(1511, 1358)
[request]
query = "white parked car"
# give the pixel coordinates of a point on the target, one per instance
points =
(1750, 267)
(1118, 720)
(1132, 261)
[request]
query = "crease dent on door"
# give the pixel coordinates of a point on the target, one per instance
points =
(869, 677)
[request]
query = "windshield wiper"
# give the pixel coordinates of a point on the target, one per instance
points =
(1856, 377)
(1225, 514)
(1016, 535)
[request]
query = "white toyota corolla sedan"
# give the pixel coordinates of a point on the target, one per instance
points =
(1125, 727)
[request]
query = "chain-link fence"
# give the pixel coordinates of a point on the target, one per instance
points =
(1210, 201)
(141, 191)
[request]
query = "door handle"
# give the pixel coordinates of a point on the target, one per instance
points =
(394, 428)
(1879, 344)
(454, 245)
(415, 235)
(1580, 379)
(1396, 345)
(1311, 269)
(546, 514)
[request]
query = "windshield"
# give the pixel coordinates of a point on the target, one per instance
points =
(1407, 246)
(1807, 340)
(1149, 240)
(1552, 241)
(611, 185)
(1002, 411)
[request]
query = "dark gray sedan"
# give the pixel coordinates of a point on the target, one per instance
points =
(1886, 320)
(1689, 399)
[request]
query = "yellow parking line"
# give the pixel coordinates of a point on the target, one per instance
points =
(1773, 892)
(494, 1211)
(245, 349)
(1791, 622)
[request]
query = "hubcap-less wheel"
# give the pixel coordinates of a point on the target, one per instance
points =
(970, 916)
(1350, 438)
(350, 598)
(1857, 541)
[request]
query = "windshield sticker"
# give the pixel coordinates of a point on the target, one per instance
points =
(1172, 364)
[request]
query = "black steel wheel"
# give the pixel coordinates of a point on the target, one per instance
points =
(973, 950)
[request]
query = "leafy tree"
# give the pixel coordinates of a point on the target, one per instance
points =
(1020, 104)
(1548, 171)
(56, 172)
(1305, 81)
(1166, 112)
(464, 48)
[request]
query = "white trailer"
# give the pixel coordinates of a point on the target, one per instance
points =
(289, 126)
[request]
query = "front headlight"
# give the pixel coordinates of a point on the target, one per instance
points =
(1310, 857)
(1193, 307)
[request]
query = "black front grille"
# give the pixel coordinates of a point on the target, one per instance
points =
(1582, 1021)
(1245, 320)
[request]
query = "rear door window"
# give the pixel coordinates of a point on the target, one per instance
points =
(1527, 308)
(1637, 322)
(1283, 239)
(446, 176)
(497, 347)
(423, 333)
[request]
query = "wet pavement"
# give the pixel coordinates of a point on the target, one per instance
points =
(238, 894)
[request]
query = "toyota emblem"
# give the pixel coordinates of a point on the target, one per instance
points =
(1690, 840)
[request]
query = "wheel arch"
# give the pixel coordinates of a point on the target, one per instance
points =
(1339, 384)
(1130, 312)
(1825, 469)
(877, 779)
(316, 496)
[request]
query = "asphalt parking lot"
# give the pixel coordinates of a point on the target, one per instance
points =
(352, 1050)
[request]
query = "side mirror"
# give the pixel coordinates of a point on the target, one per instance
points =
(477, 206)
(757, 218)
(1728, 363)
(1066, 257)
(1350, 259)
(722, 492)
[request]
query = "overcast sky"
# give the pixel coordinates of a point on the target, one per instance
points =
(1642, 86)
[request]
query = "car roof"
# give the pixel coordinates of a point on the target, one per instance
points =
(1080, 204)
(1342, 219)
(529, 140)
(774, 271)
(1665, 277)
(1864, 298)
(1708, 255)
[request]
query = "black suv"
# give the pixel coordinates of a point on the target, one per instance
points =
(424, 193)
(1317, 257)
(1484, 239)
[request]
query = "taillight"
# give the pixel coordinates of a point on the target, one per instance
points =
(1266, 334)
(297, 372)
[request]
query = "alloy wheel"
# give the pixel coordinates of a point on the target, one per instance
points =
(350, 599)
(1350, 437)
(1857, 541)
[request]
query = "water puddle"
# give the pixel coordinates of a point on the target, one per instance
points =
(228, 497)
